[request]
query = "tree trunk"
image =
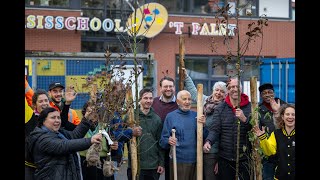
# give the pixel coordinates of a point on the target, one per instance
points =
(199, 133)
(133, 140)
(254, 105)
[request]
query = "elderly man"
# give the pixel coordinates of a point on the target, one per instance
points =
(225, 119)
(184, 121)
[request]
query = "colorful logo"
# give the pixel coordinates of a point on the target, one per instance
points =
(148, 20)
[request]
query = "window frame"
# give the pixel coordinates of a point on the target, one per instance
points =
(210, 79)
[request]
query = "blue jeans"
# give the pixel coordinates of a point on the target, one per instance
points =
(268, 170)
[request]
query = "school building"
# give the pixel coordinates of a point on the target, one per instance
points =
(66, 41)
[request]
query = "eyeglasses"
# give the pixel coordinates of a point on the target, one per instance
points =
(168, 86)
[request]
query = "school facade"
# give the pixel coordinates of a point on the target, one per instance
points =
(61, 45)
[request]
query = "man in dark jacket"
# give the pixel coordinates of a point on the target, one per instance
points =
(266, 119)
(225, 119)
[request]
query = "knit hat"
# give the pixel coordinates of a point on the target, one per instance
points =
(265, 86)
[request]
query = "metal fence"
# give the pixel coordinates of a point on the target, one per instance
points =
(74, 69)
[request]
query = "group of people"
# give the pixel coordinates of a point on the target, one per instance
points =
(48, 116)
(57, 143)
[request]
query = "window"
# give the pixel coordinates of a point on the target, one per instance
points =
(207, 7)
(209, 70)
(98, 13)
(92, 3)
(293, 14)
(99, 41)
(250, 67)
(47, 3)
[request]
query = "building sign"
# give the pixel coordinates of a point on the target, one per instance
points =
(150, 20)
(205, 29)
(73, 23)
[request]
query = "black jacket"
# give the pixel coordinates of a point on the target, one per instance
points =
(266, 117)
(56, 156)
(224, 130)
(33, 122)
(286, 153)
(266, 120)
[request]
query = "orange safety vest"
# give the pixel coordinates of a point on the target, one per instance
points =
(72, 114)
(28, 91)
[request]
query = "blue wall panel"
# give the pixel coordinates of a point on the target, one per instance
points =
(44, 81)
(80, 100)
(83, 67)
(291, 80)
(281, 73)
(29, 79)
(76, 67)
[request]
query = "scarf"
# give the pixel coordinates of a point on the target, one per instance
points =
(209, 105)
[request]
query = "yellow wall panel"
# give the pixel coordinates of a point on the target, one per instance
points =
(50, 67)
(28, 62)
(77, 82)
(81, 85)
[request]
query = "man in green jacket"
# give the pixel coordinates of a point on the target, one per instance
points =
(150, 153)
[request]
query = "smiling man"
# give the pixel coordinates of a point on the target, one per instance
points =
(56, 94)
(184, 121)
(266, 111)
(164, 104)
(225, 120)
(151, 154)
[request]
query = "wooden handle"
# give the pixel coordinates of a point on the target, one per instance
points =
(181, 62)
(255, 116)
(174, 156)
(199, 133)
(133, 140)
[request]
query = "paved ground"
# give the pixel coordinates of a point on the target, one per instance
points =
(122, 174)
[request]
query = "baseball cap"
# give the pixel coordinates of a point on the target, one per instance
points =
(54, 85)
(265, 86)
